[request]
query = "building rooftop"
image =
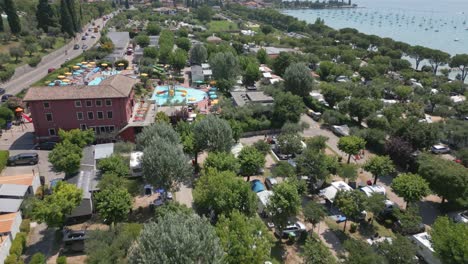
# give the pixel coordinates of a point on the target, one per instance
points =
(119, 39)
(10, 205)
(13, 190)
(102, 151)
(6, 222)
(117, 86)
(19, 180)
(241, 98)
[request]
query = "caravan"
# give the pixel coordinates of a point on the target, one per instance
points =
(136, 168)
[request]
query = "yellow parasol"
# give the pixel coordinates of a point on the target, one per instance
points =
(213, 82)
(214, 102)
(61, 77)
(129, 68)
(104, 65)
(93, 63)
(68, 73)
(46, 82)
(84, 62)
(144, 74)
(76, 67)
(65, 80)
(120, 64)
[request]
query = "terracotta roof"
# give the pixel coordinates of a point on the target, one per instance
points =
(19, 179)
(117, 86)
(6, 222)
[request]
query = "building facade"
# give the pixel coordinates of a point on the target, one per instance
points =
(105, 108)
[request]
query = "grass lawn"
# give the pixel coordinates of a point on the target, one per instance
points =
(53, 76)
(222, 25)
(363, 232)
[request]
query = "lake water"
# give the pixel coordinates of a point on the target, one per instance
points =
(438, 24)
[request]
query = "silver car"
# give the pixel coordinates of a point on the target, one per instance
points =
(461, 217)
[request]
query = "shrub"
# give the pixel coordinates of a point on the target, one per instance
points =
(4, 154)
(25, 226)
(11, 259)
(16, 248)
(262, 146)
(353, 228)
(34, 61)
(62, 260)
(21, 237)
(6, 74)
(38, 258)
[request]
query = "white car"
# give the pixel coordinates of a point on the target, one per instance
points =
(371, 189)
(461, 217)
(295, 228)
(341, 130)
(440, 149)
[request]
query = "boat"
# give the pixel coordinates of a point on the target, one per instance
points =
(457, 39)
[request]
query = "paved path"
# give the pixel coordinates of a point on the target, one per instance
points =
(25, 75)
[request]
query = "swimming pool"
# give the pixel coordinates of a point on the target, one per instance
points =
(96, 81)
(182, 95)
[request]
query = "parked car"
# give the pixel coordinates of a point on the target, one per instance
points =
(168, 196)
(23, 159)
(2, 91)
(84, 47)
(50, 70)
(83, 38)
(371, 189)
(76, 46)
(72, 235)
(440, 149)
(270, 182)
(295, 229)
(45, 145)
(92, 36)
(341, 130)
(5, 97)
(461, 217)
(314, 115)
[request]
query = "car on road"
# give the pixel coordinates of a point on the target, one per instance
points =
(2, 91)
(461, 217)
(314, 115)
(440, 149)
(371, 189)
(50, 70)
(23, 159)
(295, 229)
(45, 145)
(76, 46)
(83, 38)
(92, 36)
(5, 97)
(84, 47)
(341, 130)
(270, 182)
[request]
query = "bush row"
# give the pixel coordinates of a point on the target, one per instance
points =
(4, 154)
(6, 74)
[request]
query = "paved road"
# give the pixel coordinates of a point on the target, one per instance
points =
(26, 76)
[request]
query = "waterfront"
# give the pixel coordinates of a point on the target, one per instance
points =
(436, 24)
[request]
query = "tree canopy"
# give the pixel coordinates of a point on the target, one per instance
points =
(222, 161)
(284, 203)
(449, 241)
(351, 145)
(250, 160)
(113, 204)
(298, 80)
(411, 187)
(66, 157)
(379, 166)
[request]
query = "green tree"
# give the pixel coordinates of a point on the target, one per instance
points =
(222, 192)
(325, 69)
(351, 203)
(287, 108)
(333, 94)
(225, 67)
(362, 108)
(54, 209)
(460, 61)
(222, 161)
(368, 72)
(127, 5)
(165, 164)
(12, 16)
(298, 80)
(153, 29)
(181, 239)
(250, 160)
(178, 59)
(266, 29)
(212, 134)
(403, 92)
(183, 43)
(375, 204)
(162, 117)
(399, 251)
(262, 56)
(114, 164)
(66, 157)
(16, 52)
(142, 40)
(283, 169)
(419, 53)
(111, 245)
(161, 131)
(315, 251)
(283, 204)
(262, 146)
(66, 20)
(78, 137)
(351, 145)
(449, 241)
(314, 213)
(251, 74)
(198, 54)
(359, 252)
(315, 164)
(348, 172)
(290, 143)
(172, 207)
(244, 239)
(282, 62)
(38, 258)
(317, 142)
(204, 13)
(379, 166)
(438, 58)
(446, 178)
(150, 52)
(411, 187)
(44, 15)
(113, 204)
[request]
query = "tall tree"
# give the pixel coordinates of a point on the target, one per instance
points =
(351, 145)
(333, 94)
(298, 79)
(250, 160)
(113, 204)
(178, 59)
(398, 251)
(244, 239)
(359, 252)
(287, 108)
(379, 166)
(225, 67)
(13, 19)
(66, 20)
(460, 61)
(44, 15)
(315, 251)
(212, 134)
(221, 161)
(284, 203)
(54, 209)
(411, 187)
(419, 53)
(351, 203)
(222, 192)
(161, 131)
(438, 58)
(180, 239)
(449, 241)
(71, 5)
(198, 54)
(81, 138)
(66, 157)
(314, 213)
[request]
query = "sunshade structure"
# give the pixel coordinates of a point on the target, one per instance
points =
(61, 77)
(257, 186)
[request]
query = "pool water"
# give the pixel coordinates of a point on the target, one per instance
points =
(191, 95)
(96, 81)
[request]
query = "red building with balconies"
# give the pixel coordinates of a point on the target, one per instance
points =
(106, 108)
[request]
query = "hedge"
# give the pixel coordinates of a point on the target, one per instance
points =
(6, 74)
(12, 259)
(4, 154)
(38, 258)
(62, 260)
(25, 226)
(34, 61)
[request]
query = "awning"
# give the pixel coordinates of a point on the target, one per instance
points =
(329, 193)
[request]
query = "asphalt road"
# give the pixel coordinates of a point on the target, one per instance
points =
(26, 76)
